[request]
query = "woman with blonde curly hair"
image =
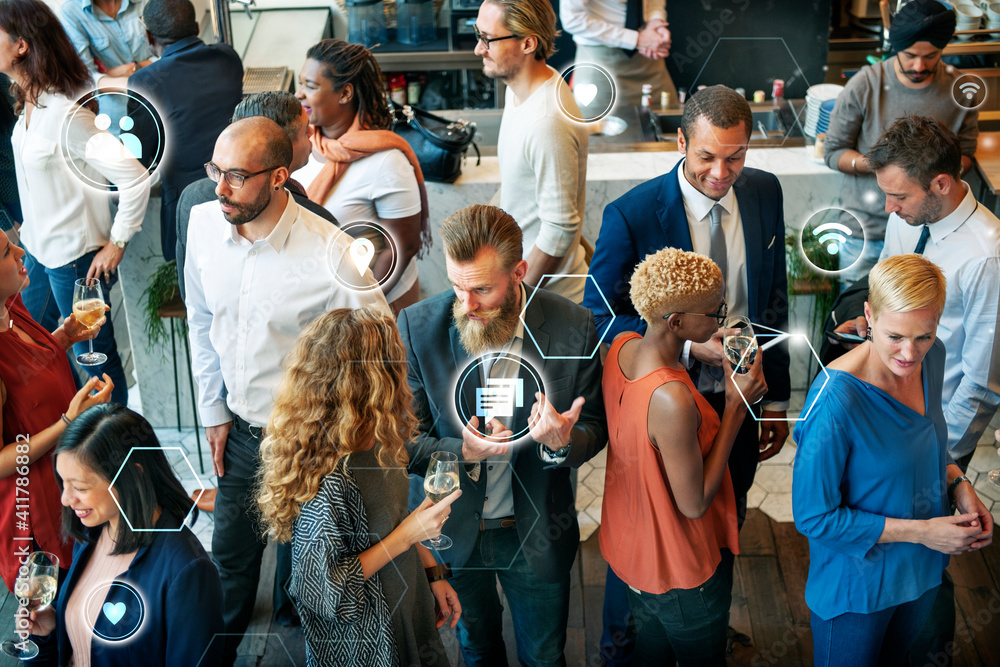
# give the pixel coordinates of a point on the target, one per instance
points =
(333, 482)
(667, 476)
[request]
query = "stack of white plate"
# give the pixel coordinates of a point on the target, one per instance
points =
(968, 17)
(993, 16)
(815, 96)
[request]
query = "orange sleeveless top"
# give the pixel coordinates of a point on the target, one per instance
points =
(644, 537)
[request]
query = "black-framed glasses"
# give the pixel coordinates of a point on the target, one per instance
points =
(234, 179)
(719, 315)
(486, 41)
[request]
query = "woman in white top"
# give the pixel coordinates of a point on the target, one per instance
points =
(360, 170)
(67, 230)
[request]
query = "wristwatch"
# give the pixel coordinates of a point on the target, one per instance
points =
(119, 244)
(549, 456)
(954, 483)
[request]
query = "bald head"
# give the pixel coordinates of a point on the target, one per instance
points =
(258, 143)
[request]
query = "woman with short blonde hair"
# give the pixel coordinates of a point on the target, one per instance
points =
(872, 480)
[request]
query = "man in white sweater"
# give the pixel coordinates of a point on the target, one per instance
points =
(542, 151)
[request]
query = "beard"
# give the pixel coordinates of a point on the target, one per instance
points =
(492, 334)
(930, 210)
(245, 213)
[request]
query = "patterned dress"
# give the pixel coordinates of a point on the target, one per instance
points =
(386, 621)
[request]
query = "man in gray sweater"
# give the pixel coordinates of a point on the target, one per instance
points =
(915, 81)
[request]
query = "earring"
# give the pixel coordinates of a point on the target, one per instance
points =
(275, 188)
(869, 336)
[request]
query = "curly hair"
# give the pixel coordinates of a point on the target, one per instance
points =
(353, 64)
(673, 281)
(344, 387)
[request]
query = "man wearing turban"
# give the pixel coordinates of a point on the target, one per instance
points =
(913, 81)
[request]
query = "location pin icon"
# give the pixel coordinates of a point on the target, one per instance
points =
(362, 252)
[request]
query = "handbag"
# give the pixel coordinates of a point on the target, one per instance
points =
(440, 144)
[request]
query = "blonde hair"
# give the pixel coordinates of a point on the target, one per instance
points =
(469, 230)
(673, 281)
(344, 387)
(531, 17)
(903, 283)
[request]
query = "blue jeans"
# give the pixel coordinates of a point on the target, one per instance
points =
(618, 633)
(687, 626)
(49, 296)
(865, 640)
(539, 609)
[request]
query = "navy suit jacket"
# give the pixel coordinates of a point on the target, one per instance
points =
(544, 508)
(182, 600)
(651, 216)
(195, 88)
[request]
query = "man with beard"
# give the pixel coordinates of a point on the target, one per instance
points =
(914, 81)
(918, 163)
(516, 519)
(259, 268)
(541, 149)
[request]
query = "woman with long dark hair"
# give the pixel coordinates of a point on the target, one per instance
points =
(127, 512)
(68, 230)
(360, 169)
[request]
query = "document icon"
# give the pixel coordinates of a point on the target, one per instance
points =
(499, 398)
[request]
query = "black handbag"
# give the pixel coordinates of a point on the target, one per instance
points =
(440, 144)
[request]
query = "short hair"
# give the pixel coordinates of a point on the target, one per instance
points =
(921, 146)
(346, 63)
(111, 440)
(902, 283)
(469, 230)
(531, 17)
(170, 20)
(279, 105)
(673, 281)
(722, 106)
(277, 147)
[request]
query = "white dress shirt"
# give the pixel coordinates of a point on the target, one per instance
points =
(63, 218)
(248, 302)
(601, 22)
(966, 246)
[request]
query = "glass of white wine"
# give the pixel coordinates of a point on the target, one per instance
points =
(88, 306)
(35, 588)
(739, 343)
(440, 481)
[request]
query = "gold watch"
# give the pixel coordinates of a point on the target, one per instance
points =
(120, 244)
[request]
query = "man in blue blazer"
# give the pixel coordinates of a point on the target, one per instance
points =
(516, 519)
(195, 87)
(709, 204)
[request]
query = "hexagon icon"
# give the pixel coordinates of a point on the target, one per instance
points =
(201, 490)
(600, 334)
(777, 337)
(739, 52)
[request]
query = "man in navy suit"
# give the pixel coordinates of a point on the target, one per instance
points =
(195, 88)
(709, 204)
(516, 519)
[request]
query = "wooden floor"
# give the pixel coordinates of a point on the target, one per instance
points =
(768, 606)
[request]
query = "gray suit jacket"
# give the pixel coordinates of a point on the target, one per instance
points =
(543, 499)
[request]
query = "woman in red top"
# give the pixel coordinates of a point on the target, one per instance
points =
(667, 478)
(36, 389)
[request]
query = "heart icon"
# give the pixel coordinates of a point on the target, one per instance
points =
(585, 94)
(114, 612)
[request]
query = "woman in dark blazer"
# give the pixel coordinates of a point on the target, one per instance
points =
(133, 596)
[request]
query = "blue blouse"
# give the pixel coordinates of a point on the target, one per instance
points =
(864, 456)
(114, 41)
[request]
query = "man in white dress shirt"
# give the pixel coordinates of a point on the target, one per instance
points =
(542, 153)
(259, 268)
(629, 38)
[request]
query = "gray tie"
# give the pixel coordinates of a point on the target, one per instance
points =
(717, 247)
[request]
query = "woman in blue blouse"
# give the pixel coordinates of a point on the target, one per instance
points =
(872, 483)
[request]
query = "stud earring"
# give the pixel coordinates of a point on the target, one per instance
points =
(275, 188)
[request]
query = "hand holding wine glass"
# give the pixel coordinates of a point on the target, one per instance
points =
(739, 343)
(35, 589)
(440, 481)
(89, 307)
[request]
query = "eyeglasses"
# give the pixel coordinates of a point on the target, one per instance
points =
(486, 41)
(234, 180)
(719, 315)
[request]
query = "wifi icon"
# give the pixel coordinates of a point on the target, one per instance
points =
(970, 89)
(832, 240)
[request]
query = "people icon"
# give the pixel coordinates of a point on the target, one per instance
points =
(104, 146)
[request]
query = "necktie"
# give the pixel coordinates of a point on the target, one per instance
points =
(922, 243)
(717, 241)
(633, 20)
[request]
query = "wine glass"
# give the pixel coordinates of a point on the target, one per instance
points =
(739, 343)
(440, 481)
(88, 306)
(35, 588)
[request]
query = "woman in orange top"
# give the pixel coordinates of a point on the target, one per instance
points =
(667, 477)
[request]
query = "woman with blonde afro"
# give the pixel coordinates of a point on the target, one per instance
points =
(334, 483)
(667, 477)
